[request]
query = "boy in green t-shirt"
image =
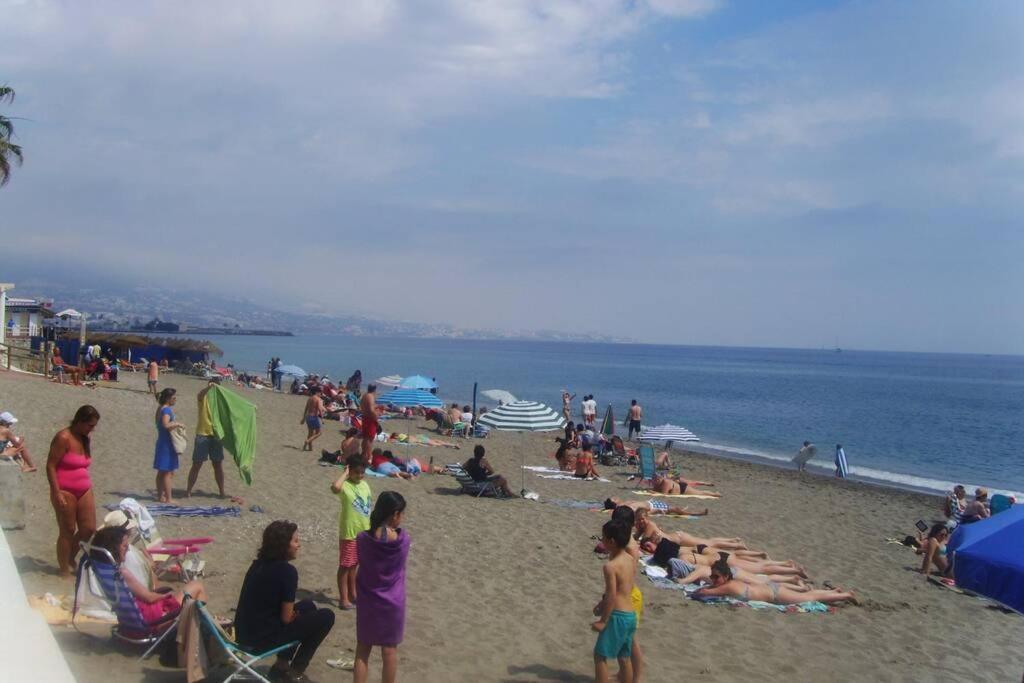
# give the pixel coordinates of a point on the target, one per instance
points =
(355, 498)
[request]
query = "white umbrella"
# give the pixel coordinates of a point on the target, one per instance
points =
(389, 382)
(668, 433)
(292, 371)
(523, 416)
(499, 395)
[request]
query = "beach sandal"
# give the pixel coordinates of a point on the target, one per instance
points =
(342, 663)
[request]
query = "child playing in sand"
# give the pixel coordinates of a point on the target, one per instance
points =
(380, 616)
(354, 495)
(617, 622)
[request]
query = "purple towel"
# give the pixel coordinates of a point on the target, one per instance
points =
(380, 587)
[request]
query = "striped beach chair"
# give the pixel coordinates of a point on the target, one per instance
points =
(131, 628)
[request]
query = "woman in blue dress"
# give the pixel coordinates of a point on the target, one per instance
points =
(165, 458)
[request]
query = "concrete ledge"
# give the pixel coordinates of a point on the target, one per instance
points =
(28, 650)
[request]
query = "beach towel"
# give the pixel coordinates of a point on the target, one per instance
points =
(842, 469)
(234, 424)
(137, 511)
(569, 477)
(810, 607)
(161, 510)
(674, 495)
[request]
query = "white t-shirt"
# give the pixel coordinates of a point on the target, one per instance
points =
(467, 417)
(590, 407)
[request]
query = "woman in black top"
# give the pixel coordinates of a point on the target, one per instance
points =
(268, 615)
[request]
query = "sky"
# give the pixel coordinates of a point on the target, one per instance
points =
(798, 174)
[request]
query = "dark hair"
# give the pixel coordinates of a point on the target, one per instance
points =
(376, 451)
(721, 566)
(609, 504)
(588, 446)
(936, 529)
(370, 388)
(109, 538)
(634, 401)
(807, 443)
(617, 531)
(166, 395)
(665, 551)
(276, 538)
(388, 503)
(314, 390)
(85, 414)
(355, 461)
(701, 547)
(478, 451)
(352, 431)
(388, 454)
(626, 514)
(466, 409)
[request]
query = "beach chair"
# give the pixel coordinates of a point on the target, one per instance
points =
(615, 454)
(241, 658)
(476, 488)
(175, 556)
(451, 428)
(131, 628)
(999, 503)
(647, 471)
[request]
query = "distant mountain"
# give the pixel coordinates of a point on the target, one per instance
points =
(123, 308)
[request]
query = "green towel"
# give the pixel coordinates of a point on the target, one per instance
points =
(234, 424)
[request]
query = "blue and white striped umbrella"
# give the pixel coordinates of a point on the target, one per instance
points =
(389, 382)
(842, 469)
(668, 433)
(410, 397)
(417, 382)
(523, 416)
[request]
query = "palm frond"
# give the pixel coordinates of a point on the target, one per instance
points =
(6, 127)
(6, 93)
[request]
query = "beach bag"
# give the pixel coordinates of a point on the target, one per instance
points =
(179, 439)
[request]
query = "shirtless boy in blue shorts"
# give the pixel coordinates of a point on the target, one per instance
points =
(617, 622)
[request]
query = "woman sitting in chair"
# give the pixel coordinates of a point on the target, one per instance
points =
(153, 604)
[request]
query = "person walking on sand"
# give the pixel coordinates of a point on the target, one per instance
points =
(152, 377)
(312, 417)
(67, 471)
(206, 446)
(165, 458)
(636, 416)
(380, 615)
(370, 426)
(806, 453)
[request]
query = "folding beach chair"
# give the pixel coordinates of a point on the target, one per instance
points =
(473, 487)
(241, 658)
(647, 469)
(131, 628)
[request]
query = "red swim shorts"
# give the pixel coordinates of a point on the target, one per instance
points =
(348, 553)
(370, 428)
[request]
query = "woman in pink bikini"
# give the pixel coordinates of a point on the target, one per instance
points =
(67, 469)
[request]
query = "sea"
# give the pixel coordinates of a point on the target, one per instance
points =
(921, 421)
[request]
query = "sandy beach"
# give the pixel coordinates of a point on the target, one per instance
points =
(502, 590)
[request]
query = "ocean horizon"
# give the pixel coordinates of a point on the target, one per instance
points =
(917, 420)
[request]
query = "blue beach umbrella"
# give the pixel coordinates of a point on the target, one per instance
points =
(411, 397)
(417, 382)
(292, 371)
(988, 557)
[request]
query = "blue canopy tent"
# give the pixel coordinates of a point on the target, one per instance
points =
(410, 397)
(988, 557)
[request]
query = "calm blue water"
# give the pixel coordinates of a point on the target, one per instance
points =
(921, 420)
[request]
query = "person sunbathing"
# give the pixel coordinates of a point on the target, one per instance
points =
(672, 487)
(585, 464)
(646, 530)
(13, 447)
(682, 572)
(654, 507)
(152, 604)
(383, 463)
(933, 547)
(723, 584)
(666, 550)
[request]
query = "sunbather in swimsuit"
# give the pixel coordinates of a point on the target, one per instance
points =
(73, 474)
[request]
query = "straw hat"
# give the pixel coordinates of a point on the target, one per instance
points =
(118, 518)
